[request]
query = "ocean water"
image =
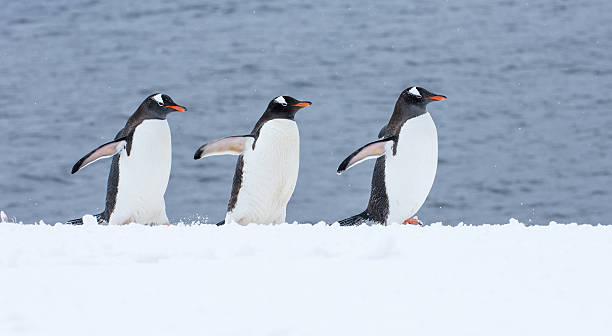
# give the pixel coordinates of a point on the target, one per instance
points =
(526, 131)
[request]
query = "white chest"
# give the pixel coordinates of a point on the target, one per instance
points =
(409, 174)
(269, 174)
(144, 174)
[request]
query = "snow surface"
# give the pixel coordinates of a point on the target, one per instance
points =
(305, 280)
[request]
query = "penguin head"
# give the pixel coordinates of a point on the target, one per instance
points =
(418, 95)
(160, 105)
(286, 106)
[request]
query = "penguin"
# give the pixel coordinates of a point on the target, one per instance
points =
(267, 167)
(142, 156)
(406, 154)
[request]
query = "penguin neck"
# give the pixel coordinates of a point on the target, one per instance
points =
(272, 113)
(142, 114)
(402, 113)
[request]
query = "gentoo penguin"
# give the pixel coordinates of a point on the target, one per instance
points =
(139, 174)
(267, 168)
(407, 159)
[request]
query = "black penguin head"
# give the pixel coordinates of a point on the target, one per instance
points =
(412, 103)
(418, 95)
(285, 106)
(158, 106)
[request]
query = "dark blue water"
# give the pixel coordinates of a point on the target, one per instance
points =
(526, 131)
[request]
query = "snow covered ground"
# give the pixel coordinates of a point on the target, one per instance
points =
(305, 280)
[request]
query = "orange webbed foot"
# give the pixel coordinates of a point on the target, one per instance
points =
(412, 221)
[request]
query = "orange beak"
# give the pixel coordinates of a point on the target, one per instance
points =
(438, 98)
(178, 108)
(303, 104)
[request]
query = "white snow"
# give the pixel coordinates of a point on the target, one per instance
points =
(305, 280)
(89, 220)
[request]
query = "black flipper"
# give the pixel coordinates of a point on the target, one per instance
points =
(79, 221)
(221, 223)
(356, 220)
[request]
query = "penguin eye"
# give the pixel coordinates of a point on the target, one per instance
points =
(160, 103)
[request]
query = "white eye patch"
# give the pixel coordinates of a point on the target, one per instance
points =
(158, 99)
(281, 100)
(414, 91)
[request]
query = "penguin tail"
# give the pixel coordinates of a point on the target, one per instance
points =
(79, 221)
(355, 220)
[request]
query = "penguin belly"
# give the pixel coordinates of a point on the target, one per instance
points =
(410, 173)
(143, 176)
(269, 175)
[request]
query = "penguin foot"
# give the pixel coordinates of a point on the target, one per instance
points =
(413, 221)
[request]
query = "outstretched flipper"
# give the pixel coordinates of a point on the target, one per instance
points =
(107, 150)
(372, 150)
(233, 145)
